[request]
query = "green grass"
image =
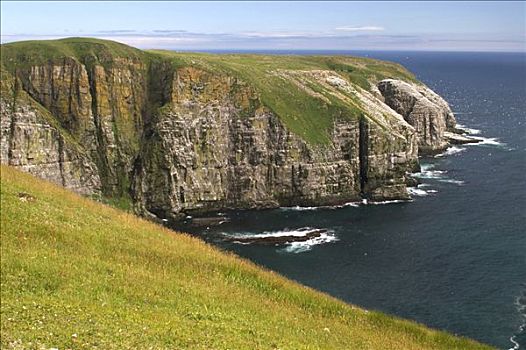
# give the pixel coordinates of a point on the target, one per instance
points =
(35, 52)
(78, 274)
(305, 115)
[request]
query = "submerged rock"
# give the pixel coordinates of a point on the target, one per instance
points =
(275, 240)
(459, 139)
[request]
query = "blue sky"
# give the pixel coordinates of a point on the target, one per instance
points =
(446, 26)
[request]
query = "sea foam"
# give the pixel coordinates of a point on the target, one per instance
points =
(450, 151)
(326, 236)
(300, 247)
(470, 131)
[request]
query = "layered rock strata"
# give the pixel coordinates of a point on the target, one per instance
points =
(425, 110)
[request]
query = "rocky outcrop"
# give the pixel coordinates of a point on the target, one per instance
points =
(183, 137)
(426, 111)
(32, 143)
(99, 104)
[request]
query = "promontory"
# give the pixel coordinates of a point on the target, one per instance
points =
(171, 133)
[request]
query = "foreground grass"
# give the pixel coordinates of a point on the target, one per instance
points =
(78, 274)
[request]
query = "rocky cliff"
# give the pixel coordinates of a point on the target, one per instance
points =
(426, 111)
(180, 133)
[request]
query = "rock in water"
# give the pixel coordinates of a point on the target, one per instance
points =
(275, 240)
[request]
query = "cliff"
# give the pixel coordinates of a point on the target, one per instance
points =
(178, 133)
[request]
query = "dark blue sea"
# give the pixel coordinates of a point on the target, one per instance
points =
(453, 258)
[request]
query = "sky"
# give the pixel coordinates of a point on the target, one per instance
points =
(310, 25)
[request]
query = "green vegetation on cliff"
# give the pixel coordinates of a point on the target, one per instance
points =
(306, 106)
(284, 83)
(78, 274)
(35, 52)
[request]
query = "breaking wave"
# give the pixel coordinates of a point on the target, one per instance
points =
(368, 202)
(490, 141)
(418, 192)
(450, 151)
(298, 208)
(428, 172)
(470, 131)
(291, 246)
(348, 204)
(452, 181)
(300, 247)
(520, 304)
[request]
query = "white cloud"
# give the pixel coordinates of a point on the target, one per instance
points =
(360, 29)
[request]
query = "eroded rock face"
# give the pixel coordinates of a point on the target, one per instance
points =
(32, 144)
(217, 147)
(100, 106)
(426, 111)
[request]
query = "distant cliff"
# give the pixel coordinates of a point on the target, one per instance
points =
(176, 133)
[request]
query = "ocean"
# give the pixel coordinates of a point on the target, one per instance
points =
(453, 258)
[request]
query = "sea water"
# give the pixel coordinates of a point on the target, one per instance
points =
(454, 257)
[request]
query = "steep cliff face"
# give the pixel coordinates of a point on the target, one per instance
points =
(100, 106)
(217, 146)
(182, 133)
(426, 111)
(33, 142)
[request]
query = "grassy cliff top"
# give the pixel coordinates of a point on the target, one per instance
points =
(35, 52)
(78, 274)
(286, 84)
(292, 88)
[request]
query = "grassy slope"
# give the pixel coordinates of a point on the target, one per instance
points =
(78, 274)
(309, 117)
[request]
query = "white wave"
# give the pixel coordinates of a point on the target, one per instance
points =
(349, 204)
(470, 131)
(430, 174)
(521, 308)
(516, 345)
(326, 236)
(452, 181)
(491, 141)
(426, 166)
(301, 247)
(299, 232)
(414, 191)
(363, 201)
(298, 208)
(368, 202)
(450, 151)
